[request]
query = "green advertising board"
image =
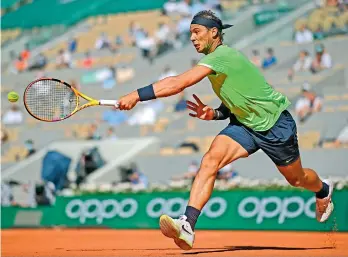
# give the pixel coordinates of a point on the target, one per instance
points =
(240, 210)
(269, 15)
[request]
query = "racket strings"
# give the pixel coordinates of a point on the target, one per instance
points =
(50, 100)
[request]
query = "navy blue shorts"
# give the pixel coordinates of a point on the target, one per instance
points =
(279, 143)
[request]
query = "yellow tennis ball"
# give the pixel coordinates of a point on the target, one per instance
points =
(13, 96)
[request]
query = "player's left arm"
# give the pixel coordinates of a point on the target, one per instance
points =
(222, 113)
(165, 87)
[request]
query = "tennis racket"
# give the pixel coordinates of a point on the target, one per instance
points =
(50, 100)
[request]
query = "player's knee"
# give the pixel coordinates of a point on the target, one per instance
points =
(211, 162)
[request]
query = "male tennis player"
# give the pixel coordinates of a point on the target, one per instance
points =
(258, 120)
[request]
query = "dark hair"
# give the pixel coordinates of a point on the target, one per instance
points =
(256, 52)
(270, 50)
(208, 14)
(305, 52)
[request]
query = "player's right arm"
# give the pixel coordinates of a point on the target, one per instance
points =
(175, 84)
(165, 87)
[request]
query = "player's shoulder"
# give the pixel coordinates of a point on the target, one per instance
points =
(225, 50)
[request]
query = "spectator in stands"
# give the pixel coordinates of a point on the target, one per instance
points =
(29, 145)
(309, 103)
(181, 104)
(44, 194)
(322, 59)
(319, 3)
(343, 6)
(319, 33)
(164, 38)
(162, 33)
(72, 45)
(167, 72)
(183, 29)
(102, 42)
(191, 172)
(118, 41)
(93, 133)
(198, 6)
(110, 134)
(7, 198)
(114, 117)
(256, 59)
(136, 177)
(342, 138)
(12, 55)
(214, 4)
(145, 116)
(304, 35)
(226, 173)
(63, 59)
(169, 7)
(173, 7)
(302, 64)
(87, 62)
(4, 136)
(25, 54)
(148, 47)
(270, 59)
(13, 116)
(134, 32)
(20, 65)
(332, 2)
(112, 76)
(39, 63)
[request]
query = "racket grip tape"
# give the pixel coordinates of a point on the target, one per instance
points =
(108, 102)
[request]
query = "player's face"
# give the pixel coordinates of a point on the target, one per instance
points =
(201, 38)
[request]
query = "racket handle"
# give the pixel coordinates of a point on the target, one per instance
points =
(108, 102)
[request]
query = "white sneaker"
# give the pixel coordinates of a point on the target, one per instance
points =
(178, 229)
(325, 206)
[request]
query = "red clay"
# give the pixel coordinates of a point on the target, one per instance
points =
(94, 242)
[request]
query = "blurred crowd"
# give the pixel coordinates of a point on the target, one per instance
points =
(167, 36)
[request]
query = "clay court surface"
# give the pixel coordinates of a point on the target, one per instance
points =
(100, 242)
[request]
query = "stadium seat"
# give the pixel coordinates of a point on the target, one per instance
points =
(299, 23)
(167, 151)
(184, 151)
(11, 34)
(309, 140)
(14, 154)
(161, 125)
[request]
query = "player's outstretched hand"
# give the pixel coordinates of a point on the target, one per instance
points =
(200, 110)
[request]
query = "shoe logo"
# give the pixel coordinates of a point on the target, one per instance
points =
(183, 227)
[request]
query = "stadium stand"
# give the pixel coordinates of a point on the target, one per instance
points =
(322, 22)
(180, 138)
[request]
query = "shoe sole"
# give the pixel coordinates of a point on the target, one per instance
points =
(328, 216)
(329, 205)
(169, 229)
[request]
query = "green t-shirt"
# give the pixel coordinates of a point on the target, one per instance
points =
(243, 89)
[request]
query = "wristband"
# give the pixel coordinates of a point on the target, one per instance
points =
(146, 93)
(218, 115)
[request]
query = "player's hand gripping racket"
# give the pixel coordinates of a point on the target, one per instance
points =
(49, 99)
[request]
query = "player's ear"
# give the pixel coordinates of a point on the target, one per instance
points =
(215, 33)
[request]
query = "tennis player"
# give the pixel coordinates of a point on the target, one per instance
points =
(258, 120)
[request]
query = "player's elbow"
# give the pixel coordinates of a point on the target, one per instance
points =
(177, 84)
